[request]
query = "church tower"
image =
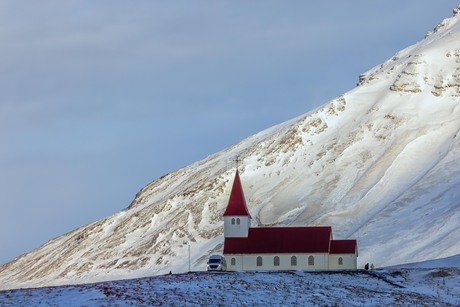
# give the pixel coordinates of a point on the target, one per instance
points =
(237, 219)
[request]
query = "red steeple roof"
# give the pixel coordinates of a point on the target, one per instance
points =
(237, 203)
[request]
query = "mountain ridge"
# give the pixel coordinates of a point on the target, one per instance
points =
(375, 162)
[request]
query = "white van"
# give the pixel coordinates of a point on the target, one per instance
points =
(217, 263)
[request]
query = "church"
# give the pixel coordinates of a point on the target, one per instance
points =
(249, 248)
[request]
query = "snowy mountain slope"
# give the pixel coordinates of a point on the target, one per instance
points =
(380, 163)
(448, 262)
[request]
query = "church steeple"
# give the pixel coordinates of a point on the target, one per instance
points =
(237, 219)
(237, 203)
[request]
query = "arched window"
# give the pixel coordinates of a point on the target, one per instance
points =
(293, 260)
(233, 221)
(233, 261)
(259, 261)
(237, 221)
(276, 261)
(340, 261)
(311, 260)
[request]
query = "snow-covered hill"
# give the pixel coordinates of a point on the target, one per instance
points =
(431, 286)
(381, 164)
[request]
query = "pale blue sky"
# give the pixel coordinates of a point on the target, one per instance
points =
(99, 98)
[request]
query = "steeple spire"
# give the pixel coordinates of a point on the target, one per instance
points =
(237, 203)
(237, 160)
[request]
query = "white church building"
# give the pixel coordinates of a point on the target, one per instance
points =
(249, 248)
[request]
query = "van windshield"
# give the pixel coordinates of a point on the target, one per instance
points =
(214, 260)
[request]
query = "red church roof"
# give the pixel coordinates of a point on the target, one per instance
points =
(273, 240)
(237, 203)
(344, 247)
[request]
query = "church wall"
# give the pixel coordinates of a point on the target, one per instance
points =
(349, 262)
(236, 226)
(238, 266)
(249, 262)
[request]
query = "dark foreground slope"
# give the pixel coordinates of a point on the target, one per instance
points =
(430, 287)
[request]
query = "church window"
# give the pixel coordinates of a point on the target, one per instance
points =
(259, 261)
(233, 261)
(340, 261)
(293, 260)
(276, 261)
(311, 260)
(237, 221)
(233, 221)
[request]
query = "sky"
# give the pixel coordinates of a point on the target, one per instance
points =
(99, 98)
